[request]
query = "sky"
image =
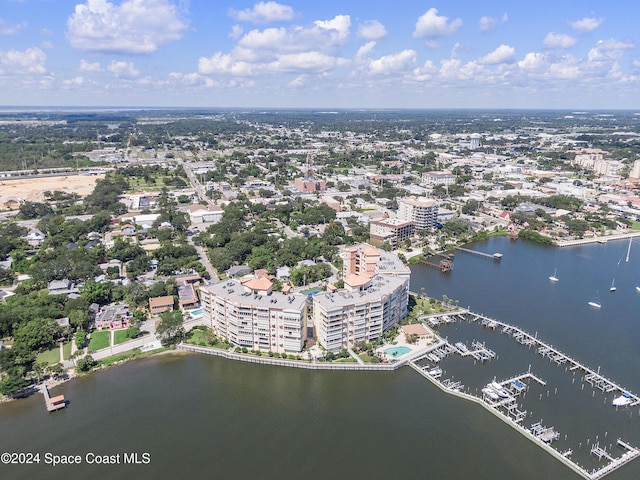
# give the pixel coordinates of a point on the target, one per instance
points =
(563, 54)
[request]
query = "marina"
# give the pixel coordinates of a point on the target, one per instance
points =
(503, 397)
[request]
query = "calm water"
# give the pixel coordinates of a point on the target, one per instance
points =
(219, 419)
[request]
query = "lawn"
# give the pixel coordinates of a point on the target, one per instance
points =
(121, 336)
(99, 340)
(635, 226)
(66, 351)
(50, 356)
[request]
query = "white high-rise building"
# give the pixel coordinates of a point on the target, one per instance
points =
(423, 212)
(474, 141)
(635, 171)
(248, 314)
(375, 298)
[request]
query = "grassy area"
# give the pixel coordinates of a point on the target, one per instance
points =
(130, 355)
(202, 338)
(346, 360)
(99, 340)
(66, 351)
(635, 226)
(50, 356)
(368, 359)
(121, 336)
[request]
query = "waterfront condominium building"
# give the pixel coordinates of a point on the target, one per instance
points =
(390, 230)
(375, 297)
(248, 314)
(423, 212)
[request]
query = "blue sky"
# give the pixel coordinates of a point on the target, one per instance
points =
(321, 54)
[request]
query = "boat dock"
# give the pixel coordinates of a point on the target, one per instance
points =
(501, 397)
(595, 379)
(444, 265)
(493, 256)
(52, 403)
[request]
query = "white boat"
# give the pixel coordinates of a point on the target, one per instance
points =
(612, 288)
(435, 372)
(638, 288)
(595, 303)
(488, 392)
(623, 400)
(553, 277)
(629, 250)
(461, 347)
(499, 389)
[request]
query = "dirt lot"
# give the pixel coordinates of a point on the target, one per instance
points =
(32, 189)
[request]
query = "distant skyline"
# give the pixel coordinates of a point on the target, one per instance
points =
(328, 54)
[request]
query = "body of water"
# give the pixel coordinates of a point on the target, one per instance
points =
(210, 417)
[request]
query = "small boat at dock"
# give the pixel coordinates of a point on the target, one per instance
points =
(623, 400)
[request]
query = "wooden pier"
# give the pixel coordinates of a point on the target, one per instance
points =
(493, 256)
(444, 265)
(52, 403)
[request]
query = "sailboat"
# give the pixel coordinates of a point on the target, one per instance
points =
(612, 288)
(553, 277)
(595, 303)
(629, 250)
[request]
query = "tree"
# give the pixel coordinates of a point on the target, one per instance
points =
(170, 328)
(86, 363)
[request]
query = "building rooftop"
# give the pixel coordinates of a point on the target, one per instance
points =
(161, 301)
(380, 286)
(234, 292)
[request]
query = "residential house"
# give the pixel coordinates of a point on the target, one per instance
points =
(158, 305)
(113, 317)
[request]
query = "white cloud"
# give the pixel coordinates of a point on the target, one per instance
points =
(431, 25)
(90, 67)
(186, 79)
(394, 63)
(133, 26)
(299, 81)
(558, 40)
(365, 49)
(123, 69)
(586, 25)
(533, 61)
(236, 32)
(426, 72)
(305, 61)
(564, 71)
(338, 27)
(15, 62)
(72, 82)
(11, 29)
(220, 63)
(264, 12)
(603, 57)
(325, 35)
(372, 30)
(487, 24)
(502, 54)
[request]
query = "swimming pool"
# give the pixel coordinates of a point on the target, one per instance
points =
(397, 351)
(196, 313)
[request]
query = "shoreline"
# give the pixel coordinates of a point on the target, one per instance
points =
(601, 239)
